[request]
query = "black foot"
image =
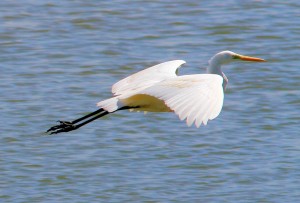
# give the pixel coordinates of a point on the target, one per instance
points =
(64, 126)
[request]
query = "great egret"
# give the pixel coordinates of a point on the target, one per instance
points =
(196, 98)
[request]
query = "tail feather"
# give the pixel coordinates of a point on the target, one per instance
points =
(110, 105)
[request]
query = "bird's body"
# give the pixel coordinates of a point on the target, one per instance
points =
(196, 98)
(189, 96)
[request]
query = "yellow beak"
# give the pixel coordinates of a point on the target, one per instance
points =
(249, 58)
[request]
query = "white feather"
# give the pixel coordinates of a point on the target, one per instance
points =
(147, 78)
(195, 97)
(132, 84)
(111, 104)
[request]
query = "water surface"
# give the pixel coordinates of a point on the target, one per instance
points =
(58, 58)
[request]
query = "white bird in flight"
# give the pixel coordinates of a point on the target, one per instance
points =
(196, 98)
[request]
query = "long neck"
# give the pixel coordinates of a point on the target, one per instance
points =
(214, 67)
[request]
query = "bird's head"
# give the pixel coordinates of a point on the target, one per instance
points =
(225, 57)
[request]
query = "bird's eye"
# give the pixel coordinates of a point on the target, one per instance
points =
(235, 57)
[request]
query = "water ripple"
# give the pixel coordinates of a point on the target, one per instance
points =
(59, 58)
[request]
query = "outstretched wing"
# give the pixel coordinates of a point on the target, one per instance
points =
(197, 98)
(147, 77)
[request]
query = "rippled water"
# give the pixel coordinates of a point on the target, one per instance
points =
(58, 58)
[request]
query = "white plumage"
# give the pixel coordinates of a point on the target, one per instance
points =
(191, 97)
(194, 98)
(147, 77)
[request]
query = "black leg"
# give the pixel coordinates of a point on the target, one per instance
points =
(66, 126)
(92, 119)
(87, 116)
